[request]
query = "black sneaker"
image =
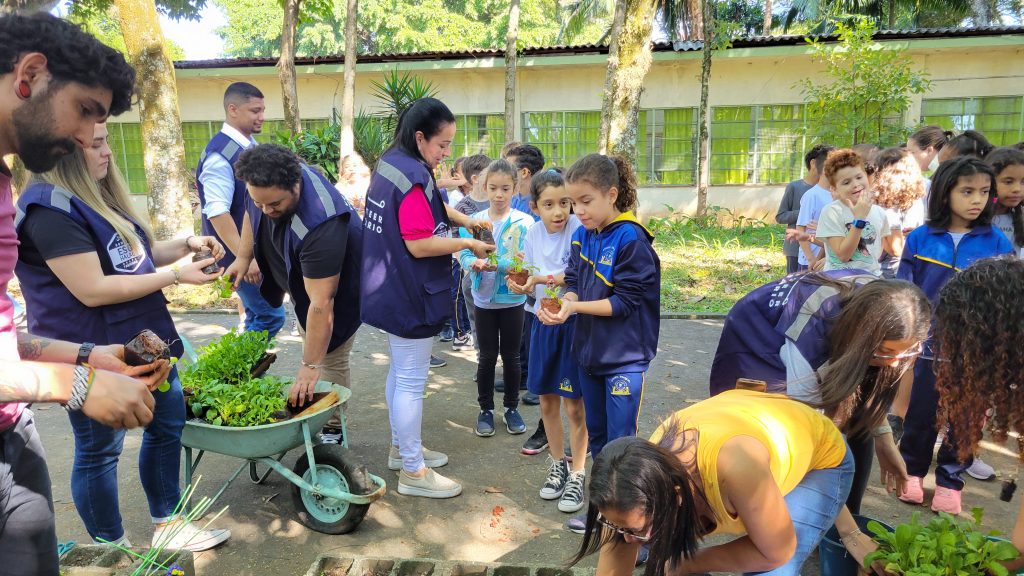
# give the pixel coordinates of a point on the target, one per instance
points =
(530, 399)
(572, 497)
(538, 442)
(558, 474)
(485, 423)
(436, 362)
(447, 334)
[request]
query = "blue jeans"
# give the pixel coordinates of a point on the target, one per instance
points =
(259, 314)
(612, 406)
(813, 506)
(97, 450)
(460, 318)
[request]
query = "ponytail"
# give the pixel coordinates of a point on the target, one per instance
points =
(604, 173)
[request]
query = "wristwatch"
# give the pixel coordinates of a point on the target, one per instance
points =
(859, 224)
(84, 352)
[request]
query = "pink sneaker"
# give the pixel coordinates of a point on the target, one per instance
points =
(914, 492)
(946, 500)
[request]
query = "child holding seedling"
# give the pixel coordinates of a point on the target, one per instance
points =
(555, 377)
(613, 281)
(499, 311)
(1008, 164)
(957, 233)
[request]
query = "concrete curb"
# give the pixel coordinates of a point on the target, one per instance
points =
(334, 565)
(104, 560)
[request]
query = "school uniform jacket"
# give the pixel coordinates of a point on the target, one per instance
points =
(617, 263)
(930, 259)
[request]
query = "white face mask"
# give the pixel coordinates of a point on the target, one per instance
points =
(934, 164)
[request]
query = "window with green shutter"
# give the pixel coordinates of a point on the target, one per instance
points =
(479, 134)
(761, 144)
(1000, 118)
(563, 137)
(126, 144)
(666, 146)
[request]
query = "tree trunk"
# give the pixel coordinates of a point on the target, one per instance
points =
(892, 14)
(767, 31)
(627, 68)
(614, 37)
(286, 67)
(511, 54)
(695, 23)
(348, 91)
(168, 178)
(703, 118)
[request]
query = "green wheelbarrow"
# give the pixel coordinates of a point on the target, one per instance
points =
(330, 493)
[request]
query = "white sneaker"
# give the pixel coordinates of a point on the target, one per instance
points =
(980, 470)
(188, 537)
(431, 459)
(430, 485)
(331, 436)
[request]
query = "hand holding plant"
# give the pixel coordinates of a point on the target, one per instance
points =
(192, 273)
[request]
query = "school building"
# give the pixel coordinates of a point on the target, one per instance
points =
(758, 135)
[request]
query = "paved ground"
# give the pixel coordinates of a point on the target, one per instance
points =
(498, 518)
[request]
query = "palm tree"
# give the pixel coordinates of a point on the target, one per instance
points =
(888, 14)
(511, 53)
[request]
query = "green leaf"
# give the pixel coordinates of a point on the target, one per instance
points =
(164, 387)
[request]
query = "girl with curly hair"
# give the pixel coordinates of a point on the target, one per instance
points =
(957, 234)
(980, 323)
(900, 191)
(1008, 164)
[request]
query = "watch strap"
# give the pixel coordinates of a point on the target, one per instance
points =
(860, 224)
(83, 353)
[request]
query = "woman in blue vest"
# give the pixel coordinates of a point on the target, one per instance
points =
(406, 279)
(839, 340)
(88, 269)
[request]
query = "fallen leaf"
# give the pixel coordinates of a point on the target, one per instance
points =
(497, 511)
(267, 499)
(494, 490)
(691, 401)
(536, 530)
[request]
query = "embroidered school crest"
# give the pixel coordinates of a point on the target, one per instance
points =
(607, 256)
(122, 256)
(620, 386)
(565, 385)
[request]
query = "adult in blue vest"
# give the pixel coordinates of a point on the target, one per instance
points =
(222, 197)
(407, 280)
(88, 269)
(839, 340)
(56, 82)
(308, 241)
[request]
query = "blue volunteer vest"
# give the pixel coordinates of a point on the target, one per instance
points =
(54, 312)
(403, 295)
(760, 323)
(319, 201)
(224, 145)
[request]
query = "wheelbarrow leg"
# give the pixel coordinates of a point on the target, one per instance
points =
(190, 469)
(254, 475)
(309, 451)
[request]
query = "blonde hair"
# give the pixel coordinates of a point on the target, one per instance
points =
(109, 196)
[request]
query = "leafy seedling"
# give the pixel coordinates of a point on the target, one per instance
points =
(553, 303)
(223, 286)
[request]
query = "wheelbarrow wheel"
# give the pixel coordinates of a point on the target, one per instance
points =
(335, 471)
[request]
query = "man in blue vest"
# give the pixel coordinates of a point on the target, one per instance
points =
(308, 242)
(222, 196)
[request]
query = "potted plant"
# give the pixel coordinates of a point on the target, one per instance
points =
(553, 303)
(205, 255)
(945, 546)
(519, 272)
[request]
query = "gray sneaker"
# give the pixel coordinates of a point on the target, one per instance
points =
(558, 473)
(572, 497)
(431, 458)
(431, 485)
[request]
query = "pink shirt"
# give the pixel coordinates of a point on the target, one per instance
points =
(9, 412)
(415, 218)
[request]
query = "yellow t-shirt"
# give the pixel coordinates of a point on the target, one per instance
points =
(799, 439)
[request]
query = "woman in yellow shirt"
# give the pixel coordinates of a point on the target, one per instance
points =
(762, 466)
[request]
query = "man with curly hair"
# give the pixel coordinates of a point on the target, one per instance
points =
(56, 83)
(308, 240)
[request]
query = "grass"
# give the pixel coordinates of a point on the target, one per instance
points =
(185, 297)
(709, 263)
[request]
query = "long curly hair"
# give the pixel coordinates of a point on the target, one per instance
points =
(898, 180)
(979, 327)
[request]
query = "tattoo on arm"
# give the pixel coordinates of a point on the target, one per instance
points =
(31, 348)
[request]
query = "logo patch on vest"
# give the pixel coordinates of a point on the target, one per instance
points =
(442, 230)
(123, 258)
(620, 386)
(565, 385)
(607, 256)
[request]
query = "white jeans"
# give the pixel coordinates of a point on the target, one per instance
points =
(407, 379)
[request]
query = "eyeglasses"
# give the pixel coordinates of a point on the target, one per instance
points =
(911, 352)
(624, 531)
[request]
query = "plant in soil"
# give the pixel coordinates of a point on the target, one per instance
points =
(206, 255)
(251, 402)
(228, 359)
(519, 271)
(553, 303)
(484, 235)
(145, 348)
(945, 546)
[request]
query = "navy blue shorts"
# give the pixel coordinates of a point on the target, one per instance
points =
(553, 368)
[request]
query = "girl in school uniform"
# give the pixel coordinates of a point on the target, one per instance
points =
(1008, 213)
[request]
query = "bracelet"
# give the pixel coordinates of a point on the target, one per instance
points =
(80, 388)
(177, 274)
(850, 534)
(311, 365)
(881, 430)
